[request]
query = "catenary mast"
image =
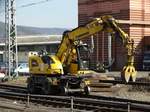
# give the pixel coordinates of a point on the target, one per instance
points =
(11, 56)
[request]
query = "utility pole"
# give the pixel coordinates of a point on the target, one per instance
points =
(11, 52)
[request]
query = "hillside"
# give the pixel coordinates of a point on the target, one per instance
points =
(25, 30)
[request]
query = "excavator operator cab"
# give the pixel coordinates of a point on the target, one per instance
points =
(83, 52)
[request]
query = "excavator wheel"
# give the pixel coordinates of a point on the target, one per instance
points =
(30, 86)
(46, 87)
(87, 90)
(129, 73)
(84, 85)
(63, 90)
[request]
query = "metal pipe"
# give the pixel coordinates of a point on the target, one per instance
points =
(109, 49)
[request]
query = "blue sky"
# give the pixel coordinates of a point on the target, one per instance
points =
(55, 13)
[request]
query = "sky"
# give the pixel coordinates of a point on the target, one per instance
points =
(54, 13)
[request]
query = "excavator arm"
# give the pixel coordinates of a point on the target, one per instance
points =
(104, 23)
(129, 69)
(70, 37)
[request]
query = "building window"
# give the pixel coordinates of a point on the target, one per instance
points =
(1, 57)
(23, 48)
(52, 49)
(2, 48)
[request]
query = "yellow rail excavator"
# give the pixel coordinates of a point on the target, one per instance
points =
(68, 70)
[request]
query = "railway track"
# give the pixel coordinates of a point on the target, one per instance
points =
(13, 88)
(116, 99)
(80, 102)
(24, 89)
(138, 83)
(86, 103)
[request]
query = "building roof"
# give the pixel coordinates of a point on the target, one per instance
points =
(36, 40)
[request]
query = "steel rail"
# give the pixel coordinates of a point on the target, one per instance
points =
(13, 88)
(122, 82)
(118, 99)
(81, 103)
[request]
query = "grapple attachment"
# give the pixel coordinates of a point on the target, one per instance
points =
(129, 73)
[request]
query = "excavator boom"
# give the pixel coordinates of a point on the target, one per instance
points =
(103, 23)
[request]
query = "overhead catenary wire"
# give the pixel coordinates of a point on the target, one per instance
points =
(29, 4)
(34, 3)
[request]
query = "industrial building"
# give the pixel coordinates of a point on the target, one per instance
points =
(25, 44)
(135, 17)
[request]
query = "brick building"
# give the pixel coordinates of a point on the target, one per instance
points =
(136, 14)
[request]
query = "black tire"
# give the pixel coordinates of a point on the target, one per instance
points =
(30, 87)
(87, 90)
(46, 88)
(63, 90)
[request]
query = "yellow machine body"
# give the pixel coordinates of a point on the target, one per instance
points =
(70, 60)
(37, 67)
